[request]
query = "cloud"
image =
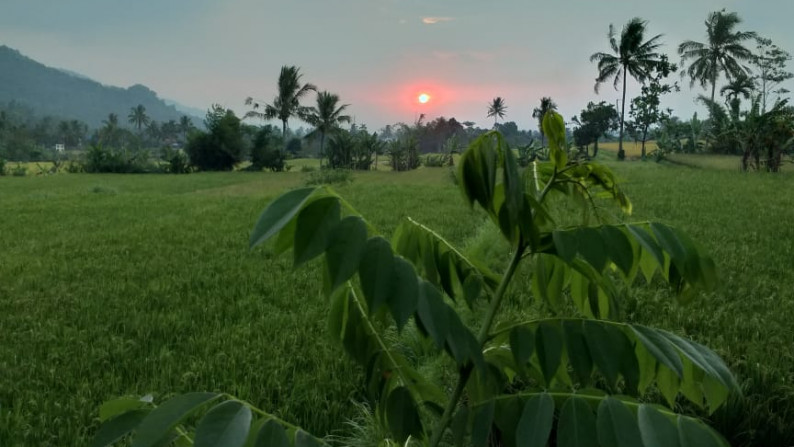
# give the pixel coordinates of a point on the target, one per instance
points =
(434, 20)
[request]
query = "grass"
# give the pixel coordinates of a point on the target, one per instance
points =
(134, 284)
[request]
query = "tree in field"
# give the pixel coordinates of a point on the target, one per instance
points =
(110, 129)
(723, 52)
(741, 85)
(497, 109)
(326, 118)
(185, 126)
(138, 117)
(770, 62)
(631, 55)
(546, 104)
(222, 146)
(594, 122)
(286, 104)
(645, 109)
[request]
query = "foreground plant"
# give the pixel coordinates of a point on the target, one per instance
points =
(568, 381)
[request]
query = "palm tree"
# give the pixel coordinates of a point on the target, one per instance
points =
(546, 105)
(722, 53)
(742, 85)
(185, 126)
(497, 109)
(287, 103)
(326, 117)
(110, 128)
(138, 117)
(632, 55)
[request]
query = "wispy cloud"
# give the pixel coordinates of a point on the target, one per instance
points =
(434, 20)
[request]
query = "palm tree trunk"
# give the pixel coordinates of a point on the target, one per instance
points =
(284, 130)
(322, 146)
(621, 153)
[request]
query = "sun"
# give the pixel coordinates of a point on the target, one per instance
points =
(423, 98)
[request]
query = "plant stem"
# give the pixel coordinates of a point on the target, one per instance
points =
(465, 372)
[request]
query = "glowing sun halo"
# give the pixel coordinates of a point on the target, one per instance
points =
(423, 98)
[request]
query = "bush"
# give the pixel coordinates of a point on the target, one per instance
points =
(99, 159)
(308, 168)
(266, 152)
(404, 154)
(2, 167)
(19, 171)
(330, 177)
(436, 160)
(220, 149)
(177, 161)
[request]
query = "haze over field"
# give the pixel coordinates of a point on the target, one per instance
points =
(377, 55)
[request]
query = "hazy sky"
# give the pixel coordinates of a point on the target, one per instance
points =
(378, 55)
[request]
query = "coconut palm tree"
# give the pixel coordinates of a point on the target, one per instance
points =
(287, 103)
(742, 85)
(497, 109)
(546, 105)
(110, 128)
(326, 117)
(138, 117)
(722, 53)
(631, 55)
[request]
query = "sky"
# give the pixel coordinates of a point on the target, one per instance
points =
(377, 55)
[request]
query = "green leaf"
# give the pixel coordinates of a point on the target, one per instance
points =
(578, 352)
(567, 244)
(459, 426)
(554, 129)
(548, 344)
(272, 434)
(647, 243)
(656, 429)
(404, 290)
(534, 426)
(591, 247)
(462, 344)
(619, 248)
(402, 415)
(577, 424)
(278, 214)
(617, 425)
(313, 228)
(375, 272)
(695, 434)
(225, 425)
(114, 429)
(345, 249)
(115, 407)
(522, 344)
(433, 313)
(606, 348)
(660, 347)
(481, 424)
(162, 420)
(668, 384)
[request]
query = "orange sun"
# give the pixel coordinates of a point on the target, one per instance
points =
(423, 98)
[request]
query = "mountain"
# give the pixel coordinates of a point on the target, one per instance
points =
(67, 95)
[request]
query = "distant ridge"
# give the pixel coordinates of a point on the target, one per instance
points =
(68, 95)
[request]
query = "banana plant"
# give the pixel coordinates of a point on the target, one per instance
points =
(579, 378)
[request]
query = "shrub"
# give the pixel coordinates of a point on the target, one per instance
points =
(19, 171)
(517, 383)
(436, 160)
(2, 167)
(266, 152)
(329, 177)
(404, 153)
(177, 161)
(99, 159)
(222, 147)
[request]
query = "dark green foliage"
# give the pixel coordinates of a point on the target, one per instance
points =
(403, 153)
(267, 150)
(221, 147)
(593, 123)
(177, 161)
(100, 159)
(353, 150)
